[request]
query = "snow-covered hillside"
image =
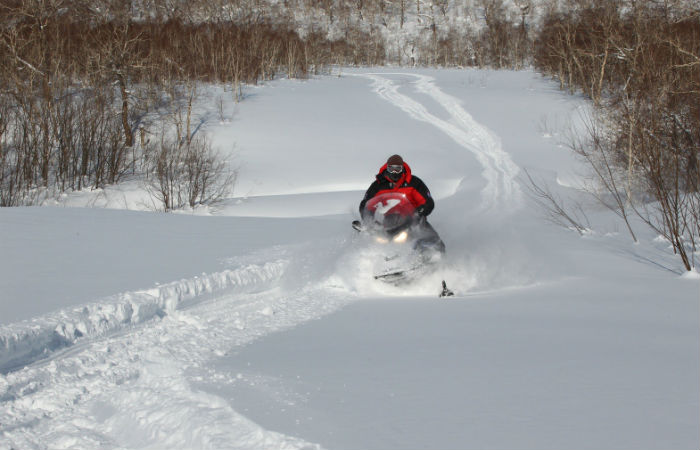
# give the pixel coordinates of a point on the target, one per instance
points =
(257, 323)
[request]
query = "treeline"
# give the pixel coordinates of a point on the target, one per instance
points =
(505, 41)
(78, 80)
(639, 62)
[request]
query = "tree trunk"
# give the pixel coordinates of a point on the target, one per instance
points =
(128, 135)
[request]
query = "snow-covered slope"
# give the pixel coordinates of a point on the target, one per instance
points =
(256, 324)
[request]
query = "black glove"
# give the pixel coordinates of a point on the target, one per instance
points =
(420, 211)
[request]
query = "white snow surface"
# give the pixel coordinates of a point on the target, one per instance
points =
(256, 324)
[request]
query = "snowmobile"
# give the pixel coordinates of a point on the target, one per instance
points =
(409, 246)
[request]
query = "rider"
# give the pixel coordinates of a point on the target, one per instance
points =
(395, 176)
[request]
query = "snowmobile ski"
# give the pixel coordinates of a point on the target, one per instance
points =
(391, 276)
(397, 276)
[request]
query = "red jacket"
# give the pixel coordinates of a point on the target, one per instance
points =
(414, 188)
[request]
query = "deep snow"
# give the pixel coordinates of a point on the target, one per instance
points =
(255, 324)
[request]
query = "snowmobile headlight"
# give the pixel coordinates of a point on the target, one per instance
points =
(382, 240)
(401, 237)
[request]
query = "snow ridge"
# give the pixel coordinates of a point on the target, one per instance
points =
(502, 192)
(139, 388)
(25, 342)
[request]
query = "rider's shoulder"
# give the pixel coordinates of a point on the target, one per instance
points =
(417, 180)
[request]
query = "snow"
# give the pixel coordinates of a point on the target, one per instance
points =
(496, 376)
(256, 323)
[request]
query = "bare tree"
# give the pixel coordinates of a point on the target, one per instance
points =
(190, 173)
(556, 209)
(641, 66)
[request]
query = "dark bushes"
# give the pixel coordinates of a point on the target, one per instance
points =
(640, 63)
(75, 86)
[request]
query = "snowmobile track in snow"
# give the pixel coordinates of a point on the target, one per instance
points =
(502, 192)
(131, 386)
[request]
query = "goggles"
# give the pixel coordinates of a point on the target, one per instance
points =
(395, 168)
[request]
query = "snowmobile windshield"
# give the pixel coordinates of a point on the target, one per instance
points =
(391, 211)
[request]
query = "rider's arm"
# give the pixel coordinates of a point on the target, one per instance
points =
(371, 192)
(422, 189)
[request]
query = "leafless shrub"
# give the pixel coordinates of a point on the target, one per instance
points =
(190, 173)
(641, 66)
(504, 43)
(572, 216)
(11, 180)
(596, 147)
(669, 170)
(77, 78)
(59, 138)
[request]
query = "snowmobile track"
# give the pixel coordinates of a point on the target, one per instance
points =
(502, 192)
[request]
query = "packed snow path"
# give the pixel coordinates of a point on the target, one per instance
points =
(285, 342)
(132, 388)
(502, 192)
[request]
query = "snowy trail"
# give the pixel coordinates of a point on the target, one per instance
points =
(119, 372)
(24, 342)
(188, 363)
(133, 388)
(502, 192)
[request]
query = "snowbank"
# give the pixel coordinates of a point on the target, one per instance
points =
(24, 342)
